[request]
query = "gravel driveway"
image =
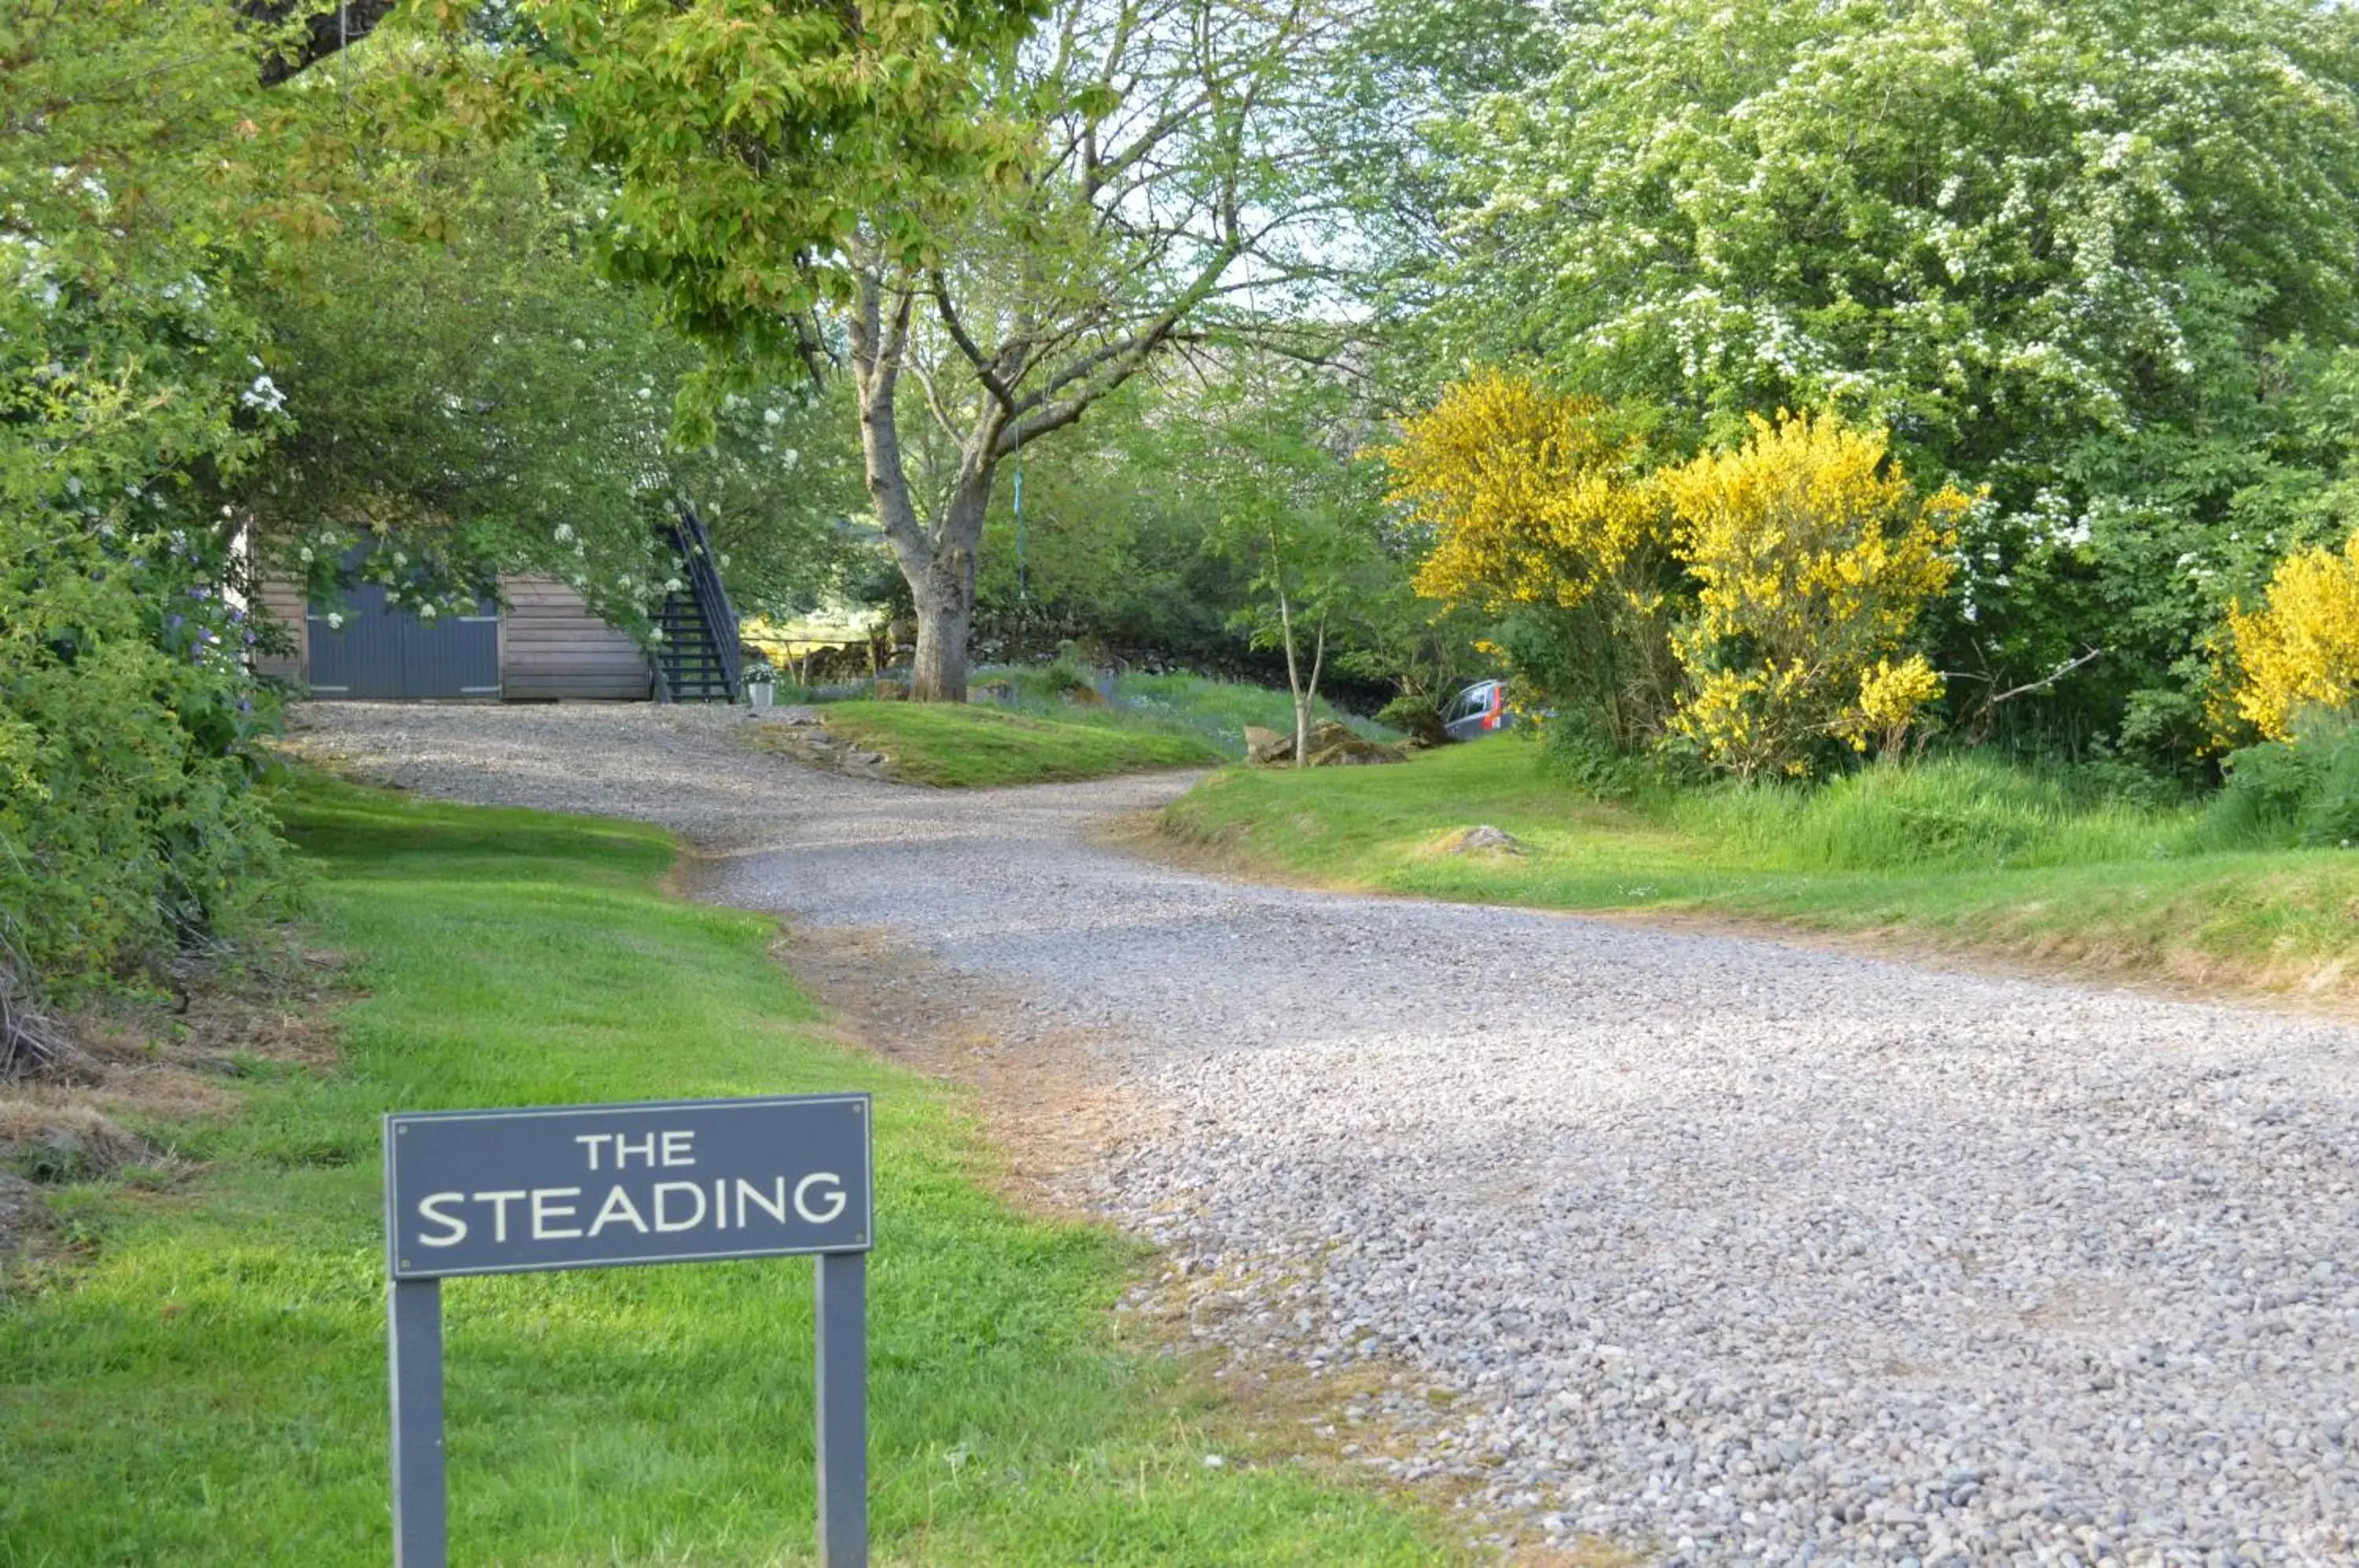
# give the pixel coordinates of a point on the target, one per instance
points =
(1722, 1250)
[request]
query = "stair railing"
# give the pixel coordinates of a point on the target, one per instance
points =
(711, 596)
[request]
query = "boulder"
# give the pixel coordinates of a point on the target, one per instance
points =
(1481, 839)
(1334, 745)
(1263, 746)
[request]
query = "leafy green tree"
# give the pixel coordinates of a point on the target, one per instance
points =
(1302, 514)
(465, 390)
(749, 143)
(1172, 185)
(2057, 250)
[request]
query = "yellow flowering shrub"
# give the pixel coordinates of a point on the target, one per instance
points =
(1813, 557)
(1533, 496)
(2300, 650)
(1543, 513)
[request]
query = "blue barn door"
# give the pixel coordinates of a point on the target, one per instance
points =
(385, 653)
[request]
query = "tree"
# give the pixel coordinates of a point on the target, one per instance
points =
(126, 380)
(1173, 172)
(747, 144)
(465, 389)
(1299, 513)
(2061, 250)
(296, 34)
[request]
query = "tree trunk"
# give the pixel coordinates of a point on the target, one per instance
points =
(945, 618)
(942, 581)
(1308, 698)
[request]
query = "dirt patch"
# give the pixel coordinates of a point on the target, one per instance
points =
(1045, 1105)
(134, 1063)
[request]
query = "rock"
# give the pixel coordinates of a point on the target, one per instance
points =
(1264, 747)
(1334, 745)
(1481, 839)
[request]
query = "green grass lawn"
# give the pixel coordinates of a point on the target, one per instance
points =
(972, 747)
(1951, 856)
(207, 1384)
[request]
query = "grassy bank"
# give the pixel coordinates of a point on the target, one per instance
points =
(206, 1384)
(1969, 857)
(972, 747)
(1210, 710)
(1046, 724)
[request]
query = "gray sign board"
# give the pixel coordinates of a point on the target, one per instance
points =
(595, 1186)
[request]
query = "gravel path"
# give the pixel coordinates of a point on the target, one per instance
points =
(1723, 1250)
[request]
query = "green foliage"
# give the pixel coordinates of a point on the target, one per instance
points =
(2099, 258)
(2282, 793)
(749, 143)
(126, 727)
(1969, 811)
(1297, 509)
(1575, 753)
(126, 380)
(467, 391)
(1416, 716)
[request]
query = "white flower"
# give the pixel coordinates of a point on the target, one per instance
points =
(564, 532)
(335, 620)
(425, 612)
(264, 395)
(772, 417)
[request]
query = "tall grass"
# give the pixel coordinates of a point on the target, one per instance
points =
(1961, 812)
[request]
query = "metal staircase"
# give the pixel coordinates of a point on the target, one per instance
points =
(696, 659)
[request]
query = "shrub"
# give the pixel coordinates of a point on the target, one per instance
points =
(128, 824)
(1542, 514)
(1815, 557)
(1415, 716)
(1575, 755)
(2285, 793)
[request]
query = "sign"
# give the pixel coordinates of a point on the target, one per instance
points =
(598, 1186)
(595, 1186)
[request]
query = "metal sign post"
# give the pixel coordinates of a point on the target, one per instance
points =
(603, 1186)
